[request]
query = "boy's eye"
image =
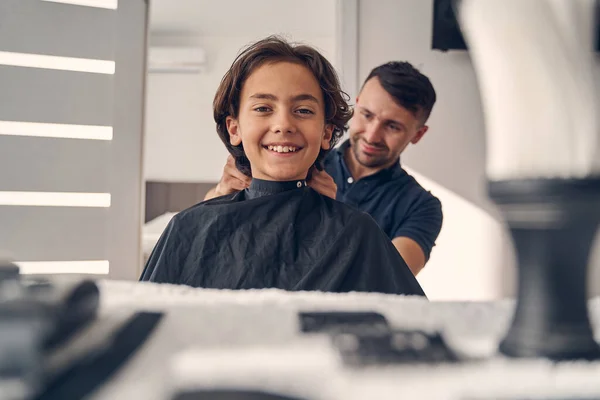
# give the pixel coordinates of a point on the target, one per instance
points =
(366, 115)
(262, 109)
(305, 111)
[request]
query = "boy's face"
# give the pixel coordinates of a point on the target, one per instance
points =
(281, 121)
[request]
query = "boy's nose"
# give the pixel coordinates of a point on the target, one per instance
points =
(284, 123)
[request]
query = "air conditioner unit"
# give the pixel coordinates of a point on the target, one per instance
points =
(176, 60)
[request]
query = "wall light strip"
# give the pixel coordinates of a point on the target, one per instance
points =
(110, 4)
(55, 199)
(62, 131)
(98, 267)
(29, 60)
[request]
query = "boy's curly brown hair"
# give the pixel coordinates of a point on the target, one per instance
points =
(276, 49)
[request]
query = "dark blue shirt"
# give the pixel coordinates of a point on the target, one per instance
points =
(399, 205)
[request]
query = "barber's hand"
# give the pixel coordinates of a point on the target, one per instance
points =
(232, 180)
(323, 183)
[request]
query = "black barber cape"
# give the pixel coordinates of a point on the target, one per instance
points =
(279, 235)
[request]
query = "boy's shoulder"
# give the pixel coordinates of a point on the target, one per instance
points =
(344, 214)
(201, 208)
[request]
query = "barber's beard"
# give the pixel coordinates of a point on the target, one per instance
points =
(370, 161)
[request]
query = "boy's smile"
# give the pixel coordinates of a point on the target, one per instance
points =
(285, 148)
(281, 121)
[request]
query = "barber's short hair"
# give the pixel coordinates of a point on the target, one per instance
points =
(409, 87)
(271, 50)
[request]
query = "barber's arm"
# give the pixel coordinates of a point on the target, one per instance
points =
(415, 237)
(411, 252)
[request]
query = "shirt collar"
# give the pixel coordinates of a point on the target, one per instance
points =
(261, 187)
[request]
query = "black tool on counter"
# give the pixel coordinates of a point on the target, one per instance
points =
(87, 372)
(73, 305)
(342, 321)
(62, 306)
(39, 318)
(392, 347)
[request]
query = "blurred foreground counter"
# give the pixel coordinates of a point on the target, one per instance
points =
(129, 340)
(255, 340)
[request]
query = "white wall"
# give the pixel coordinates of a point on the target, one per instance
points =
(181, 140)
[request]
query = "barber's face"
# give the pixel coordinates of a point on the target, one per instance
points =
(381, 129)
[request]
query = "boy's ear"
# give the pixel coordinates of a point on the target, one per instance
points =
(326, 142)
(233, 128)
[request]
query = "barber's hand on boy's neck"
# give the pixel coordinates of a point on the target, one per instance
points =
(234, 181)
(323, 183)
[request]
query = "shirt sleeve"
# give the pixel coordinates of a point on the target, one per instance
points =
(423, 224)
